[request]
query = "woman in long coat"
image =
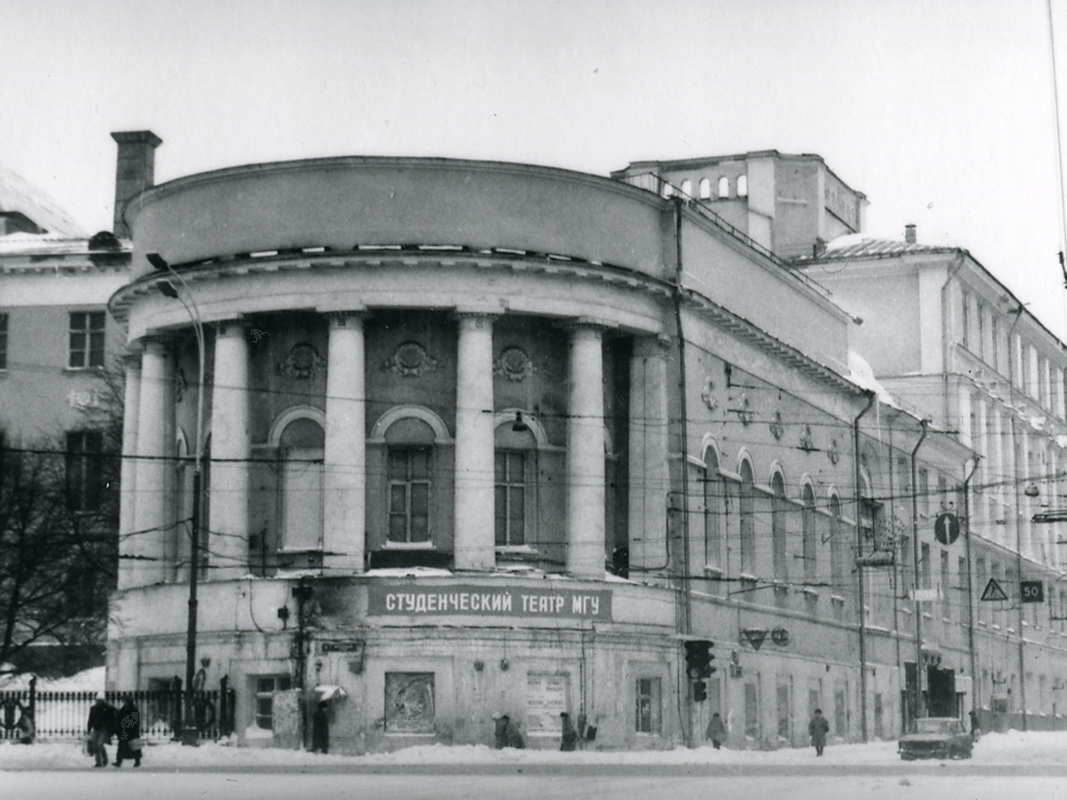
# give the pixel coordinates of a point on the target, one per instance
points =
(129, 730)
(818, 728)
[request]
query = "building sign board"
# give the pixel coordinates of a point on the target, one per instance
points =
(546, 697)
(410, 600)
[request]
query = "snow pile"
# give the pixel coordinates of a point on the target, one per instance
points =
(1014, 747)
(90, 680)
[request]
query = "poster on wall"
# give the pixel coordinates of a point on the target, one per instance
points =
(546, 697)
(409, 702)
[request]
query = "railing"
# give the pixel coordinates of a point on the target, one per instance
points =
(63, 715)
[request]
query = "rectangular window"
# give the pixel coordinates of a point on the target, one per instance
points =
(3, 341)
(84, 469)
(924, 574)
(924, 491)
(409, 702)
(266, 686)
(86, 339)
(752, 728)
(409, 494)
(965, 321)
(785, 714)
(648, 713)
(840, 710)
(510, 501)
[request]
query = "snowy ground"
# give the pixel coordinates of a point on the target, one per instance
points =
(1015, 748)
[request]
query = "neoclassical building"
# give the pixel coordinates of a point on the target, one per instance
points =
(478, 438)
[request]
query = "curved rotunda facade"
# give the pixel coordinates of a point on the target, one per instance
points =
(444, 464)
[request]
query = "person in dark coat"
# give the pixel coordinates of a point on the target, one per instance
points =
(817, 729)
(500, 732)
(129, 732)
(513, 736)
(716, 731)
(25, 727)
(103, 719)
(569, 736)
(320, 729)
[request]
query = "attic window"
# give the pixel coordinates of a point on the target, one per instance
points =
(724, 186)
(742, 185)
(705, 189)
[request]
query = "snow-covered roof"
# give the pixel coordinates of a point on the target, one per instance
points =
(19, 195)
(863, 245)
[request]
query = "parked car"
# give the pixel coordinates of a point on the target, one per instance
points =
(936, 737)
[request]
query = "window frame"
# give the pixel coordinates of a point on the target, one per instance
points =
(648, 705)
(93, 346)
(408, 482)
(261, 695)
(83, 470)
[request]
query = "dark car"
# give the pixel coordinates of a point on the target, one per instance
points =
(936, 737)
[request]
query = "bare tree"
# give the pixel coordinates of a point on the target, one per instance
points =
(59, 538)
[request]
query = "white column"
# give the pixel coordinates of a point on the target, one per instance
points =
(230, 454)
(649, 478)
(344, 517)
(145, 543)
(128, 489)
(585, 455)
(475, 543)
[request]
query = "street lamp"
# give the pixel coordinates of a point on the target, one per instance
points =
(167, 289)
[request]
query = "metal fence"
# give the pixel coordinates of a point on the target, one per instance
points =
(63, 715)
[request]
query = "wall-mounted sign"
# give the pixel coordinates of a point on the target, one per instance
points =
(1032, 591)
(401, 599)
(947, 528)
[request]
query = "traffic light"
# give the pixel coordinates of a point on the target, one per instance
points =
(698, 658)
(700, 691)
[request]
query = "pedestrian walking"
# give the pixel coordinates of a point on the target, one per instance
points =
(129, 732)
(500, 731)
(320, 729)
(25, 727)
(716, 731)
(103, 719)
(513, 736)
(817, 729)
(976, 730)
(569, 736)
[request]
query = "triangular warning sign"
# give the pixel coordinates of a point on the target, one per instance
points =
(993, 591)
(755, 636)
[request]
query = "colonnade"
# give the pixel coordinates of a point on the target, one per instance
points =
(149, 421)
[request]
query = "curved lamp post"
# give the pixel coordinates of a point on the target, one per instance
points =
(168, 289)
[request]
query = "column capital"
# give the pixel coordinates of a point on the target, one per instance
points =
(594, 324)
(483, 315)
(346, 319)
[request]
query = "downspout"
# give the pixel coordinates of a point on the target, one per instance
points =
(920, 710)
(859, 567)
(1018, 509)
(687, 609)
(975, 699)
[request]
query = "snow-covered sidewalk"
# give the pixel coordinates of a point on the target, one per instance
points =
(1014, 747)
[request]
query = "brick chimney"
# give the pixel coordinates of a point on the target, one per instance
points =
(134, 173)
(909, 234)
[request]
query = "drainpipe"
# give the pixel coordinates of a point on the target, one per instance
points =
(1018, 510)
(920, 710)
(975, 699)
(859, 567)
(687, 600)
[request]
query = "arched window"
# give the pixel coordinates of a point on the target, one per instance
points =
(746, 514)
(837, 547)
(687, 188)
(705, 188)
(409, 473)
(742, 185)
(668, 189)
(713, 511)
(515, 469)
(778, 535)
(724, 186)
(809, 534)
(301, 474)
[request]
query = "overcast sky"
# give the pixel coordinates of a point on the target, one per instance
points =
(940, 111)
